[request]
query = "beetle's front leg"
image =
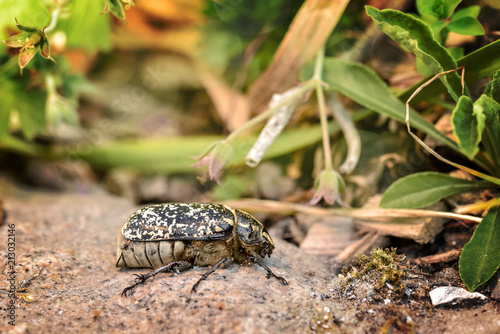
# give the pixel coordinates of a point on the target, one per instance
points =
(176, 266)
(253, 259)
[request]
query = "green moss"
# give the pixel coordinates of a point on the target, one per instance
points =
(383, 268)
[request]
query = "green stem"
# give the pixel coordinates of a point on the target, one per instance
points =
(318, 68)
(318, 64)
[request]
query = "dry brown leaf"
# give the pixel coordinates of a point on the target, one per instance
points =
(232, 106)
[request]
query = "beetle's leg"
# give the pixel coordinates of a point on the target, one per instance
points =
(175, 266)
(209, 272)
(254, 259)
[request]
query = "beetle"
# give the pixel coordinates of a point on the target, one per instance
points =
(176, 236)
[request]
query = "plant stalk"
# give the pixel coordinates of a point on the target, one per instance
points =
(318, 68)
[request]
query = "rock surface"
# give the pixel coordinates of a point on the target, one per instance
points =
(65, 257)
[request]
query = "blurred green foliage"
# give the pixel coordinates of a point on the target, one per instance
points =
(233, 25)
(46, 94)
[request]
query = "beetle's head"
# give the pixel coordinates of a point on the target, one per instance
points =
(253, 234)
(267, 244)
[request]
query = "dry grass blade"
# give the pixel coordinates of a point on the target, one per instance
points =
(256, 205)
(308, 32)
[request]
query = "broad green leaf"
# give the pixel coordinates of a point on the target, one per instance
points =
(436, 28)
(174, 154)
(479, 64)
(426, 10)
(415, 35)
(456, 52)
(29, 12)
(423, 189)
(85, 27)
(494, 87)
(480, 257)
(472, 11)
(29, 105)
(468, 122)
(168, 155)
(466, 26)
(422, 68)
(364, 86)
(491, 135)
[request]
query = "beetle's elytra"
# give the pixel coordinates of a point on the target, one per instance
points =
(176, 236)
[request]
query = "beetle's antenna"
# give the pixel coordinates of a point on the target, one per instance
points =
(175, 266)
(254, 259)
(209, 272)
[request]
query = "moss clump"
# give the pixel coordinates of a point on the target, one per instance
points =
(384, 269)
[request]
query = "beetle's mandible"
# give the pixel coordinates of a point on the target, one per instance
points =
(176, 236)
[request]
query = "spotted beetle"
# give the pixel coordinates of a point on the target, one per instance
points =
(176, 236)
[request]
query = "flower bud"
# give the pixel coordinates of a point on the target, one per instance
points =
(31, 40)
(327, 187)
(216, 157)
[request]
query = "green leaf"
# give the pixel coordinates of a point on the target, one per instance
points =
(426, 8)
(364, 86)
(436, 28)
(448, 7)
(17, 41)
(479, 64)
(85, 27)
(174, 154)
(480, 257)
(441, 9)
(29, 105)
(25, 28)
(30, 12)
(472, 11)
(494, 87)
(466, 26)
(415, 35)
(491, 135)
(456, 52)
(114, 7)
(423, 189)
(468, 122)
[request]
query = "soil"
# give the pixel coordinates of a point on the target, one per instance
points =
(66, 279)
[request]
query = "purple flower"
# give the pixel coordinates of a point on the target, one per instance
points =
(327, 187)
(216, 157)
